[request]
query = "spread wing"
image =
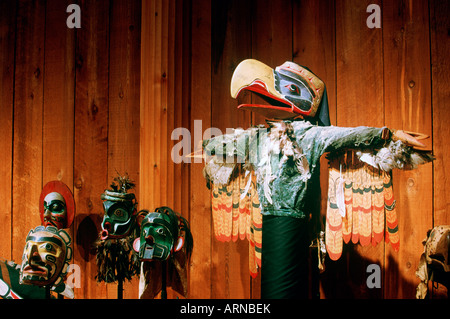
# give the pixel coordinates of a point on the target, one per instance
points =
(368, 206)
(361, 204)
(237, 215)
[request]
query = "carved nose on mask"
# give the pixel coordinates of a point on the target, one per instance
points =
(149, 240)
(34, 254)
(47, 214)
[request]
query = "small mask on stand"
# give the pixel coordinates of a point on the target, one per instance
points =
(116, 260)
(164, 246)
(159, 234)
(120, 210)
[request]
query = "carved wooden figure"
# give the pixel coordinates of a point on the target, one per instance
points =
(278, 167)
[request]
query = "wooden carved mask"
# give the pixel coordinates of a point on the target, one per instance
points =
(45, 256)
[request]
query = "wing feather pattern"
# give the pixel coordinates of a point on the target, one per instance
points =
(347, 220)
(370, 211)
(377, 206)
(333, 227)
(237, 215)
(391, 235)
(357, 204)
(366, 209)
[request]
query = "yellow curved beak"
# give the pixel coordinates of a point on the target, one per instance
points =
(257, 77)
(253, 75)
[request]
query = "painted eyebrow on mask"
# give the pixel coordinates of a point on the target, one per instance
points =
(45, 239)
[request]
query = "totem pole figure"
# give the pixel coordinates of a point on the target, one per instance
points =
(116, 260)
(165, 245)
(277, 167)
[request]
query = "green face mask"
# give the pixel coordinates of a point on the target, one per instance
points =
(118, 219)
(158, 236)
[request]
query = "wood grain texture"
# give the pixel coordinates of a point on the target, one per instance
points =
(359, 64)
(201, 283)
(407, 96)
(59, 82)
(7, 46)
(28, 104)
(91, 139)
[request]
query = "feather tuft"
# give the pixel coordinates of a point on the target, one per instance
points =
(396, 155)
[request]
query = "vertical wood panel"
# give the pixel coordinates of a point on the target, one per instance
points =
(201, 283)
(171, 96)
(91, 139)
(359, 58)
(183, 110)
(162, 182)
(7, 50)
(27, 158)
(407, 92)
(153, 102)
(156, 84)
(123, 113)
(59, 81)
(146, 103)
(181, 101)
(185, 99)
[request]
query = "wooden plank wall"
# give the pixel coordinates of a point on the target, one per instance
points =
(77, 105)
